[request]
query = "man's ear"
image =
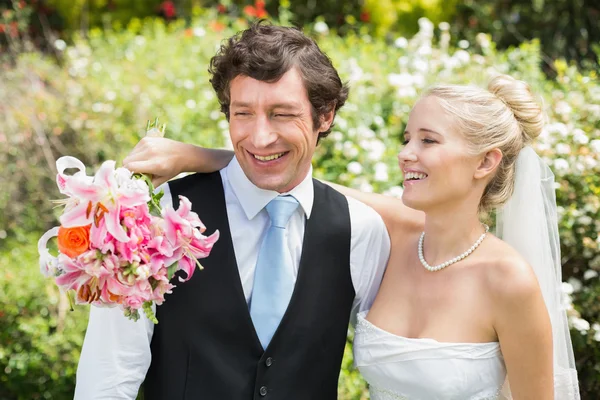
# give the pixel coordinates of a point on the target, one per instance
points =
(327, 119)
(488, 164)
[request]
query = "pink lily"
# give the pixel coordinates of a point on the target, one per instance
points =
(103, 198)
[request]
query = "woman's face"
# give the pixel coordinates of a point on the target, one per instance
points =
(439, 171)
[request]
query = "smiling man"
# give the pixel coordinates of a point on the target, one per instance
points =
(268, 315)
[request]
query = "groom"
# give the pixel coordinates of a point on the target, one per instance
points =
(268, 315)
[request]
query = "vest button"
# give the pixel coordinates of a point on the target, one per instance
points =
(263, 391)
(269, 361)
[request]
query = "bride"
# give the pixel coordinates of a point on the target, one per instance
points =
(461, 314)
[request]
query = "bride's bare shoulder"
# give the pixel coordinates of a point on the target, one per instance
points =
(508, 276)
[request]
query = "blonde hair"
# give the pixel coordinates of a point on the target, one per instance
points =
(505, 116)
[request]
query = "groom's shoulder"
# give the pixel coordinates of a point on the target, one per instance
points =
(192, 180)
(365, 221)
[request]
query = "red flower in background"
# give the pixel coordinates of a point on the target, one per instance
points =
(167, 9)
(256, 11)
(365, 16)
(222, 9)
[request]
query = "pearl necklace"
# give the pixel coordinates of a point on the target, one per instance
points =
(455, 259)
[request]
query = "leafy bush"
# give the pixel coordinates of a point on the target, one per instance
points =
(93, 104)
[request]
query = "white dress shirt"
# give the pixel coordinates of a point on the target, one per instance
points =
(116, 351)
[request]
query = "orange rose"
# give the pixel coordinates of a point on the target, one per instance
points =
(74, 241)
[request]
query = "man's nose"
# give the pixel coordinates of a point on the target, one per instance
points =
(263, 134)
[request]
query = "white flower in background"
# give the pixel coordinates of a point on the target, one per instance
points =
(580, 137)
(403, 61)
(419, 80)
(462, 56)
(406, 92)
(341, 123)
(401, 42)
(366, 187)
(463, 44)
(188, 84)
(483, 40)
(356, 72)
(394, 191)
(444, 26)
(199, 32)
(191, 104)
(425, 26)
(365, 132)
(350, 150)
(590, 274)
(208, 94)
(424, 50)
(354, 167)
(214, 115)
(575, 283)
(420, 65)
(223, 124)
(321, 27)
(585, 220)
(567, 288)
(110, 95)
(400, 80)
(378, 120)
(561, 165)
(558, 127)
(381, 172)
(595, 146)
(562, 148)
(60, 44)
(580, 324)
(562, 107)
(375, 149)
(596, 328)
(337, 136)
(139, 40)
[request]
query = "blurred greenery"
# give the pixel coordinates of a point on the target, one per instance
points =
(88, 95)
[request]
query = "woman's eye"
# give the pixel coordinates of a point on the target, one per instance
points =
(428, 141)
(405, 142)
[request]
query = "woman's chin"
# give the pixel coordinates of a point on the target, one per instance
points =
(414, 203)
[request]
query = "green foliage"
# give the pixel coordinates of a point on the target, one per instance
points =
(40, 339)
(94, 103)
(565, 28)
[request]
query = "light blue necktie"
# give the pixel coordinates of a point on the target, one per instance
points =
(274, 276)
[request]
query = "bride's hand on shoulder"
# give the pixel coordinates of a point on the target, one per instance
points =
(164, 158)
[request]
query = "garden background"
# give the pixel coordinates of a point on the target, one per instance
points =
(81, 77)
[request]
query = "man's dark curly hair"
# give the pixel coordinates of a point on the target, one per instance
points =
(266, 52)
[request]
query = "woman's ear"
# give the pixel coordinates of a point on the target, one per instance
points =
(488, 164)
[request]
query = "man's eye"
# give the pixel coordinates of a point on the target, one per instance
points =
(284, 115)
(241, 113)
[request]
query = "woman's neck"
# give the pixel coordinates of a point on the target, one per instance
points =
(450, 233)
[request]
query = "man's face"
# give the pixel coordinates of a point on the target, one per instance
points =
(271, 129)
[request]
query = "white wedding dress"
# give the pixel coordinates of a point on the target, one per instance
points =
(424, 369)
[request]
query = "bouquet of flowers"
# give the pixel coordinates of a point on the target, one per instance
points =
(116, 245)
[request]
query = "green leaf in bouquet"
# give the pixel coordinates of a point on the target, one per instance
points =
(171, 271)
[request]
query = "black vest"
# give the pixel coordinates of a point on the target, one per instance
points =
(205, 346)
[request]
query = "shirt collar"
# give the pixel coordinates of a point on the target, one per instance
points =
(253, 199)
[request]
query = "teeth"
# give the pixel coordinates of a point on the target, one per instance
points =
(415, 175)
(268, 158)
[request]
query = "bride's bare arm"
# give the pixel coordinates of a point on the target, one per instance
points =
(524, 331)
(165, 158)
(399, 219)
